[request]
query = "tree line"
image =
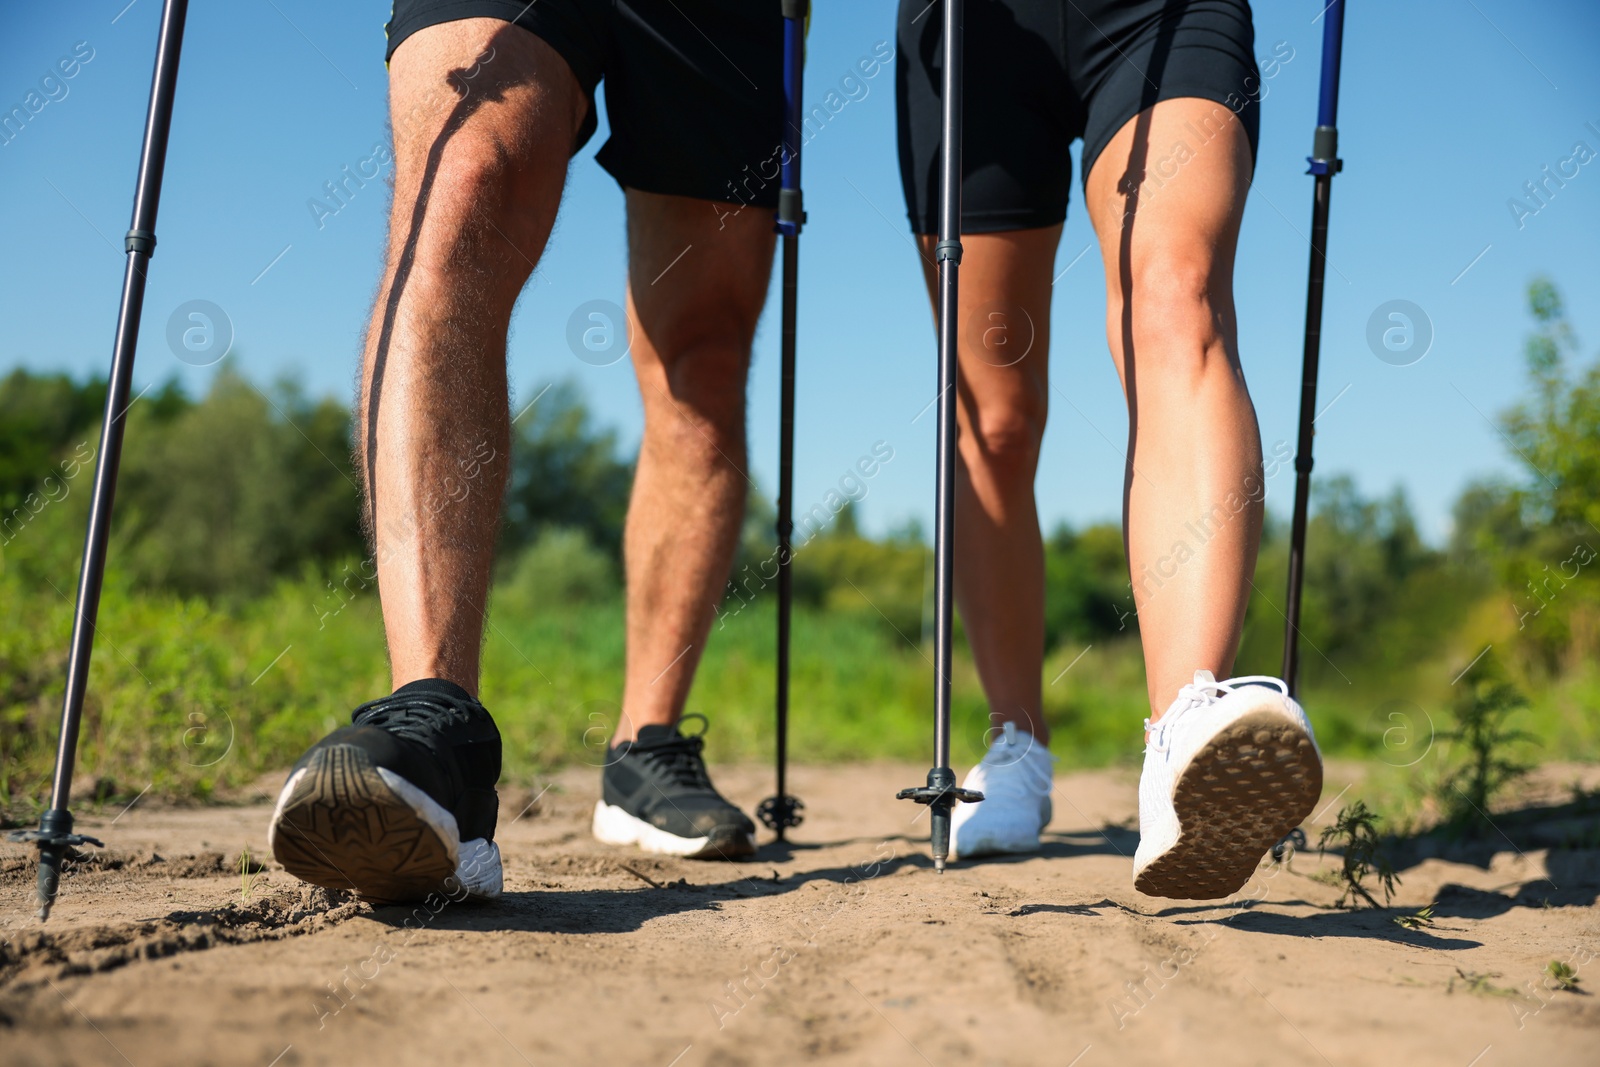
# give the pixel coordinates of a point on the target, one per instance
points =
(224, 494)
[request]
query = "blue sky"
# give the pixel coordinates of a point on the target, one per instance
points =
(1448, 108)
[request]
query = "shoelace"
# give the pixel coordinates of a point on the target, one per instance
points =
(678, 758)
(414, 716)
(1202, 692)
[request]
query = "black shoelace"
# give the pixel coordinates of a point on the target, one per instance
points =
(413, 716)
(678, 760)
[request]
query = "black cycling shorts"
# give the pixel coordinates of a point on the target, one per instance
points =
(1041, 73)
(694, 88)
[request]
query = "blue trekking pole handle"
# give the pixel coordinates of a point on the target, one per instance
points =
(791, 212)
(1324, 157)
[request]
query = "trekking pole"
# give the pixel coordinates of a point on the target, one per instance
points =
(54, 836)
(1325, 163)
(941, 794)
(782, 811)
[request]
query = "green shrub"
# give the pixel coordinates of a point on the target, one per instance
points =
(561, 567)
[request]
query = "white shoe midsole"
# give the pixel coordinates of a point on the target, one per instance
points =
(613, 826)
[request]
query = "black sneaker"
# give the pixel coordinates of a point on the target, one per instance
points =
(400, 804)
(655, 794)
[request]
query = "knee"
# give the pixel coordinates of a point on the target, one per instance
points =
(470, 168)
(1003, 439)
(702, 346)
(706, 389)
(1181, 317)
(470, 216)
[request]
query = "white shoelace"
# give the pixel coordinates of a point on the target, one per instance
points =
(1202, 692)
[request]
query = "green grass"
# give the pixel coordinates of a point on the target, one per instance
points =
(190, 697)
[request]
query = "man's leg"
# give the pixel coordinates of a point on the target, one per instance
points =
(693, 319)
(696, 283)
(402, 803)
(1193, 494)
(479, 166)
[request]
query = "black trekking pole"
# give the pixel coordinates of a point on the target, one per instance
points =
(941, 794)
(54, 836)
(1325, 163)
(782, 811)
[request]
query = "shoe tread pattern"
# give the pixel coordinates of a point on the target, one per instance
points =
(1251, 784)
(344, 828)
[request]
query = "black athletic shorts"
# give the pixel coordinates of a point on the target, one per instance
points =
(1041, 73)
(694, 88)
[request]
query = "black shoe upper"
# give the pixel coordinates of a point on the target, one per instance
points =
(436, 736)
(661, 778)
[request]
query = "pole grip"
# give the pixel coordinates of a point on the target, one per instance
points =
(1332, 49)
(791, 212)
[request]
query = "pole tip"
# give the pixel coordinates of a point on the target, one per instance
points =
(43, 912)
(938, 864)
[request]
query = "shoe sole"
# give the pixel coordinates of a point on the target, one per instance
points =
(343, 823)
(986, 849)
(1247, 787)
(614, 826)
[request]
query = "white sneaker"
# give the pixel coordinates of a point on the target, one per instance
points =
(1014, 778)
(1228, 771)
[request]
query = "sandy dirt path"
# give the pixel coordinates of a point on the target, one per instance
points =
(844, 948)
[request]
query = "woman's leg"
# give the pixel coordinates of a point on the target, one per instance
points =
(1166, 205)
(1000, 410)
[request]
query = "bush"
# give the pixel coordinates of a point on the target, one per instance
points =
(236, 491)
(561, 567)
(842, 571)
(565, 473)
(41, 417)
(1086, 585)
